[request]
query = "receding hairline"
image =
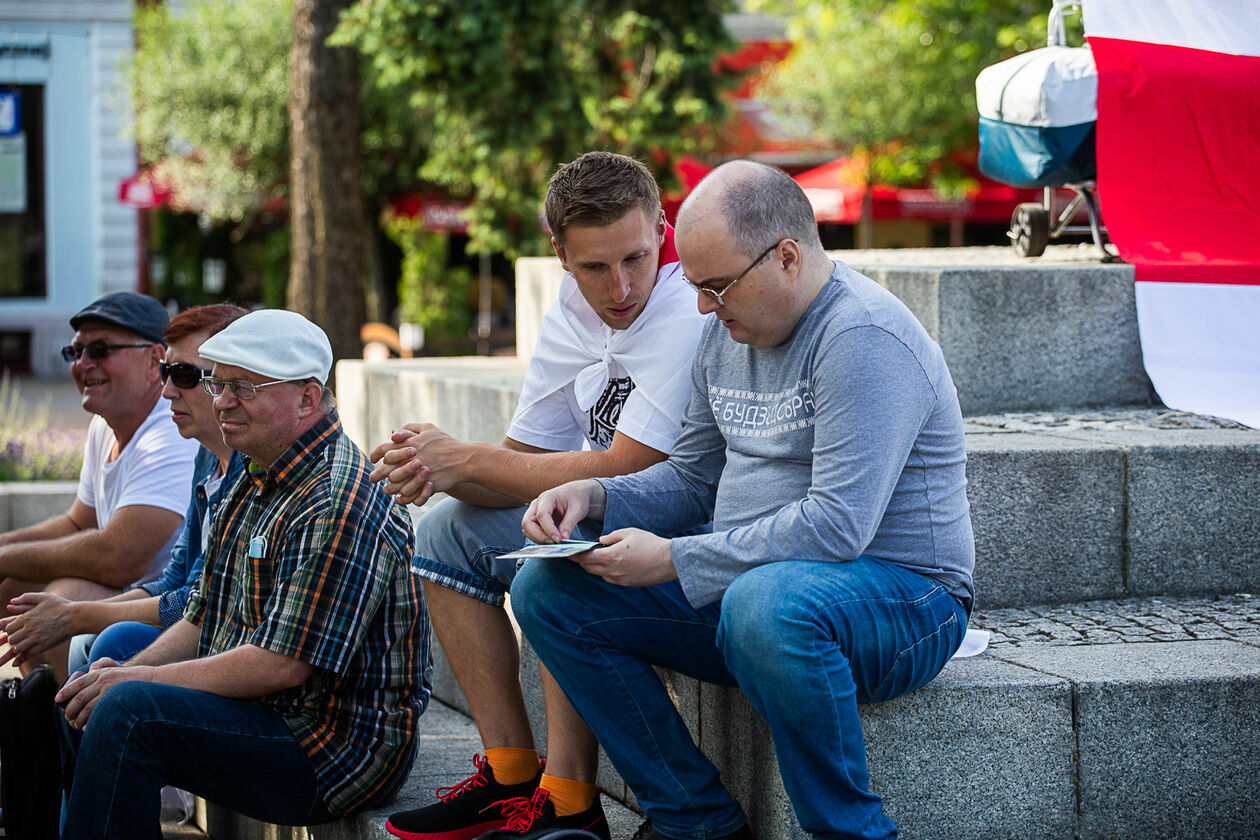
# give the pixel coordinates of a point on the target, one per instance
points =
(755, 202)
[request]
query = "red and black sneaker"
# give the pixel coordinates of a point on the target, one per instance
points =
(535, 818)
(462, 811)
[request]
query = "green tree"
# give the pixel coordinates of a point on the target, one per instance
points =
(893, 81)
(326, 189)
(209, 86)
(516, 87)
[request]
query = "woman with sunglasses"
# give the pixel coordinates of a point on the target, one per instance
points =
(133, 619)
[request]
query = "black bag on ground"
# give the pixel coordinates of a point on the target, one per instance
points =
(30, 756)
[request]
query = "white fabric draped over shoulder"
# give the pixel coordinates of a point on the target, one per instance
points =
(574, 345)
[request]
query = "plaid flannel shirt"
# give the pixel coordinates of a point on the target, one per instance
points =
(310, 559)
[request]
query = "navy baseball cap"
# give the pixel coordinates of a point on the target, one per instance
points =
(141, 314)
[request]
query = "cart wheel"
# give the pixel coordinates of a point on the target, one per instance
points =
(1030, 230)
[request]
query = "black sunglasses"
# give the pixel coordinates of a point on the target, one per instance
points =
(95, 349)
(184, 375)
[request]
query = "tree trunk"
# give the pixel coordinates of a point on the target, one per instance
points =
(326, 268)
(866, 220)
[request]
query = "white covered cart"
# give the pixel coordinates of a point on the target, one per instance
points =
(1037, 117)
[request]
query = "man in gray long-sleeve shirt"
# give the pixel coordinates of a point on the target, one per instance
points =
(824, 438)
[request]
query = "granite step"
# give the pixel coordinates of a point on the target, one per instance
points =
(1018, 334)
(1104, 719)
(1112, 503)
(1066, 505)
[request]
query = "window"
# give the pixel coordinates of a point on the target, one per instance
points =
(23, 239)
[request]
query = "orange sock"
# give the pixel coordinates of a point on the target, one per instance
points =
(567, 796)
(512, 765)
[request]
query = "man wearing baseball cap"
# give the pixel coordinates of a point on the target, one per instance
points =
(291, 688)
(137, 470)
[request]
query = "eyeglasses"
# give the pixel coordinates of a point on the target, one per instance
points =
(184, 375)
(718, 296)
(242, 389)
(95, 349)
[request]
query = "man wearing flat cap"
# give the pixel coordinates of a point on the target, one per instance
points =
(291, 688)
(137, 470)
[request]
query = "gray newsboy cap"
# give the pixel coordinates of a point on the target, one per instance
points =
(273, 342)
(139, 313)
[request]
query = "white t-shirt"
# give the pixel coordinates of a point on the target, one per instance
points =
(155, 469)
(586, 380)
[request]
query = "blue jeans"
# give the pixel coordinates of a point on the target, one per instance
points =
(806, 641)
(122, 640)
(237, 753)
(458, 547)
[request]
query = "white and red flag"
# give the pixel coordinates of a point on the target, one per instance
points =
(1179, 180)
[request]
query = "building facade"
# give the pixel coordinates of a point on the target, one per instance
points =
(65, 238)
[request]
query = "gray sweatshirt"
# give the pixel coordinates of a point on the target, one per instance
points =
(846, 439)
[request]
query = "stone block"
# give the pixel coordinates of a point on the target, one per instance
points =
(983, 751)
(472, 398)
(1016, 336)
(1048, 515)
(1021, 337)
(998, 742)
(537, 287)
(24, 503)
(1165, 736)
(1194, 515)
(353, 405)
(1193, 508)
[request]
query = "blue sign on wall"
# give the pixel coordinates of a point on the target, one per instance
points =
(10, 113)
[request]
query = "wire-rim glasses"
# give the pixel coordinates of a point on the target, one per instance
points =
(718, 296)
(183, 374)
(96, 350)
(242, 389)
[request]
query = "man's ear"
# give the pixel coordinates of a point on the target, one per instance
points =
(312, 395)
(792, 258)
(156, 354)
(661, 224)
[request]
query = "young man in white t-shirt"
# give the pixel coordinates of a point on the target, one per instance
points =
(612, 373)
(137, 470)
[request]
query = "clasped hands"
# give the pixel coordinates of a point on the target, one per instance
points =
(418, 460)
(41, 622)
(79, 696)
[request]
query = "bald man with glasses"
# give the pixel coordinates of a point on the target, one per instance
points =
(136, 478)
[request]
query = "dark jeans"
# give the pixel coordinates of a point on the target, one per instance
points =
(239, 754)
(806, 641)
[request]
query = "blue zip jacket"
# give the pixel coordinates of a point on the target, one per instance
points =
(187, 557)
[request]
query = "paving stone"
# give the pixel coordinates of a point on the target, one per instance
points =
(1235, 617)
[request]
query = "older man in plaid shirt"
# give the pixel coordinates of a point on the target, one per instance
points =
(291, 689)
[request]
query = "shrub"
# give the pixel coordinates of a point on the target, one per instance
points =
(29, 449)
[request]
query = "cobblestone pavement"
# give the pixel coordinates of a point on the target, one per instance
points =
(1234, 617)
(1112, 419)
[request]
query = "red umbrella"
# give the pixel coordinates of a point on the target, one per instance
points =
(835, 190)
